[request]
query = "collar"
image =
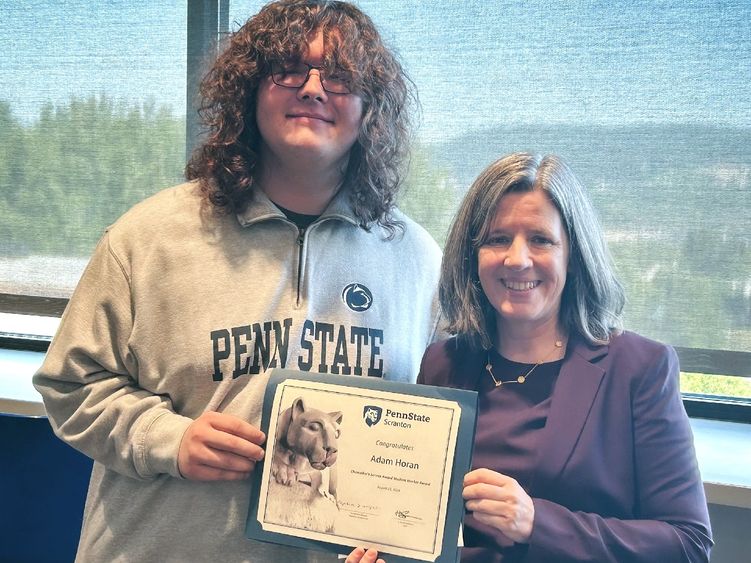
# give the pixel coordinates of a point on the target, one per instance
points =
(575, 391)
(261, 208)
(580, 346)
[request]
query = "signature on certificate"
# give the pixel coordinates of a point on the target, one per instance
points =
(405, 515)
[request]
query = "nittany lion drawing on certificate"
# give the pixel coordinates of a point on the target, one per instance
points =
(305, 451)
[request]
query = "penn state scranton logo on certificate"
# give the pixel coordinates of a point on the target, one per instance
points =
(356, 461)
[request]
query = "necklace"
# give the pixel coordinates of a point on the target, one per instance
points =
(522, 378)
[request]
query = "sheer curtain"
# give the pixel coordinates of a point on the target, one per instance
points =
(647, 100)
(92, 120)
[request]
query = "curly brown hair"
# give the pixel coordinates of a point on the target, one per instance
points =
(226, 162)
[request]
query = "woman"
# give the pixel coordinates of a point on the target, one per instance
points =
(583, 451)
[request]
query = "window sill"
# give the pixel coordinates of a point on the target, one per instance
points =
(724, 453)
(722, 448)
(17, 394)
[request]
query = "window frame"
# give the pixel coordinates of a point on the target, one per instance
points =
(698, 360)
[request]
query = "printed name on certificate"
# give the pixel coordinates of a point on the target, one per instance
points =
(359, 466)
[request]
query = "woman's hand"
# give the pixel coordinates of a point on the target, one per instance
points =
(359, 555)
(499, 501)
(218, 447)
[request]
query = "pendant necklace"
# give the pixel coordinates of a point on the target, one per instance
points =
(522, 378)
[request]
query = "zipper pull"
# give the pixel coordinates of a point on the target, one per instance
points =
(301, 236)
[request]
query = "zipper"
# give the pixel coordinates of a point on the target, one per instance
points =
(300, 244)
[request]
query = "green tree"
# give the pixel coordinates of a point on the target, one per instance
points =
(12, 178)
(431, 194)
(81, 165)
(721, 385)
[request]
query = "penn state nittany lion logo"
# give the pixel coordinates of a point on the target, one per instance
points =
(371, 415)
(357, 297)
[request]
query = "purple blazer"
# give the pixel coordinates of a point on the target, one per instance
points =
(616, 477)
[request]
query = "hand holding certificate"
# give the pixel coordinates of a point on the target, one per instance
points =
(357, 461)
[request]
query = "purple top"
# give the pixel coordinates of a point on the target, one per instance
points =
(507, 440)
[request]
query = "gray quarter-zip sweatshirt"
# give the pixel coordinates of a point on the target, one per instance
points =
(181, 310)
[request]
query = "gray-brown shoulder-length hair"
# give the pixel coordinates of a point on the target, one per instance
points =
(592, 299)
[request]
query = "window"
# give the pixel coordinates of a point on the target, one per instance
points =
(92, 120)
(648, 101)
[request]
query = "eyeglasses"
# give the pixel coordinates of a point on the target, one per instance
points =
(294, 75)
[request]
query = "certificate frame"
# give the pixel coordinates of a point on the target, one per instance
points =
(425, 535)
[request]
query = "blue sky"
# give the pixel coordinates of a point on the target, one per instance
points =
(475, 63)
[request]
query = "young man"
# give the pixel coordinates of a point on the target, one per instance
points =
(284, 250)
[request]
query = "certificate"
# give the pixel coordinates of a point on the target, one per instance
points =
(355, 461)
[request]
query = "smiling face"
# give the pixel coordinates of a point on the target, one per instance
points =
(307, 124)
(523, 262)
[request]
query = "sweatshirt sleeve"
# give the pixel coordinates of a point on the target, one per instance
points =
(672, 523)
(89, 379)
